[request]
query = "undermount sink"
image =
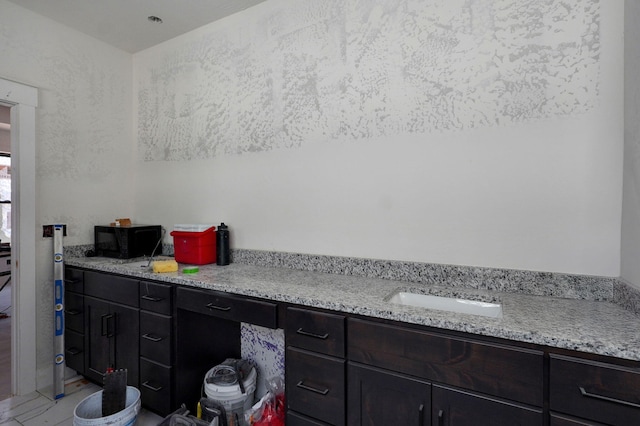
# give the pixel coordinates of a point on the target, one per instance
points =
(450, 304)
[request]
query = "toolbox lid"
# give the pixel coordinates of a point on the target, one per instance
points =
(192, 227)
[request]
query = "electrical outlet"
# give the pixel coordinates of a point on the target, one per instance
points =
(47, 231)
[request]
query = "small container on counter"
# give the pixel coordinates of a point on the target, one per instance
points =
(222, 245)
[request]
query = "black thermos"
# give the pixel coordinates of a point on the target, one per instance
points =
(222, 245)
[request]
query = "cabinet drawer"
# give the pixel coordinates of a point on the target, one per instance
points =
(507, 372)
(74, 350)
(74, 312)
(155, 297)
(595, 391)
(295, 419)
(223, 305)
(111, 287)
(74, 280)
(316, 331)
(315, 385)
(561, 420)
(155, 337)
(155, 380)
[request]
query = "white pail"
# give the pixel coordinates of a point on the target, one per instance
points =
(89, 411)
(231, 397)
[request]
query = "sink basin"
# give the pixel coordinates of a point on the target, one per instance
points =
(451, 304)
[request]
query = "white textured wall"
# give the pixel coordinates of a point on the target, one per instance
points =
(485, 132)
(630, 269)
(84, 139)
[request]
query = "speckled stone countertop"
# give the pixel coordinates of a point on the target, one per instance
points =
(586, 322)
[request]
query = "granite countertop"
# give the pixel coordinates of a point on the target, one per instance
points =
(592, 326)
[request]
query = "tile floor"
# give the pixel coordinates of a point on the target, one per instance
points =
(39, 408)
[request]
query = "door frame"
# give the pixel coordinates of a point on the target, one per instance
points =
(22, 100)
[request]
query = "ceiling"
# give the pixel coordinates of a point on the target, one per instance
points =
(124, 23)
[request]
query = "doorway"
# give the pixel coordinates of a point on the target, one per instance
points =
(22, 101)
(5, 249)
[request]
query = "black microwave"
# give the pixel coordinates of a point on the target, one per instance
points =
(126, 242)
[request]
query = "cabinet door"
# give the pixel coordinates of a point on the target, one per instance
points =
(112, 333)
(380, 397)
(452, 407)
(97, 338)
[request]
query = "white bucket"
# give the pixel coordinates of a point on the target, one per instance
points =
(89, 411)
(231, 397)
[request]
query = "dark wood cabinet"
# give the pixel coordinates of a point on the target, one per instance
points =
(340, 368)
(74, 280)
(156, 386)
(320, 332)
(594, 391)
(74, 311)
(493, 369)
(156, 337)
(74, 319)
(157, 341)
(228, 307)
(101, 324)
(455, 407)
(315, 367)
(112, 333)
(205, 337)
(316, 385)
(426, 378)
(297, 419)
(111, 318)
(556, 419)
(379, 397)
(208, 332)
(166, 336)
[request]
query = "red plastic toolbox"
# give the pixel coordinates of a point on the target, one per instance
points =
(196, 248)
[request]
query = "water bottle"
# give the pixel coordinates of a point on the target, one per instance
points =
(222, 245)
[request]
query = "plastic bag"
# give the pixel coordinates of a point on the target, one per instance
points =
(270, 410)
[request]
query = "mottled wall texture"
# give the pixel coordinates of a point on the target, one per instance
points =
(84, 139)
(264, 347)
(352, 70)
(473, 132)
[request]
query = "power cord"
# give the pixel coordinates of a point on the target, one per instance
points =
(162, 233)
